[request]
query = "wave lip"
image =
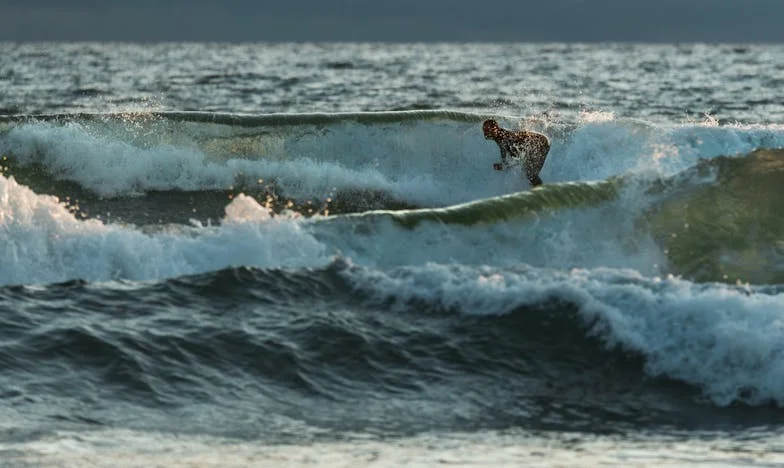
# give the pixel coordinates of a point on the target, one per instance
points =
(255, 120)
(498, 209)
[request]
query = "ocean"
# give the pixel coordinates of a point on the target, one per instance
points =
(300, 255)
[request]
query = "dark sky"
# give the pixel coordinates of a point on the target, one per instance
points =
(394, 20)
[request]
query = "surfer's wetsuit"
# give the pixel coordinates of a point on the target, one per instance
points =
(531, 147)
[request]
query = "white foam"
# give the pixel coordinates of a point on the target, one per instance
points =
(603, 147)
(433, 163)
(110, 162)
(728, 341)
(110, 166)
(42, 242)
(501, 449)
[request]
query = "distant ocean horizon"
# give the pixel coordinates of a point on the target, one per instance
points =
(290, 254)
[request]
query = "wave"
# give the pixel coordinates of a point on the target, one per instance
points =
(593, 258)
(582, 341)
(698, 209)
(279, 344)
(715, 222)
(43, 241)
(723, 339)
(410, 158)
(718, 221)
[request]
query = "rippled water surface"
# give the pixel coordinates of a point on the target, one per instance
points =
(653, 82)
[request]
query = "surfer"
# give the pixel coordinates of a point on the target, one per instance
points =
(531, 147)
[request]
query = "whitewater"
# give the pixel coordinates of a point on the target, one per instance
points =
(191, 265)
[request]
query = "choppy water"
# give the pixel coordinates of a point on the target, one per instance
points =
(293, 254)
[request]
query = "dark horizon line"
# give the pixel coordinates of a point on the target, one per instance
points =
(389, 42)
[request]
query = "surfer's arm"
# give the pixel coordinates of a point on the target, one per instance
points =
(507, 152)
(499, 166)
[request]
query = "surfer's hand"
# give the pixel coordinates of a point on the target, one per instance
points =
(498, 166)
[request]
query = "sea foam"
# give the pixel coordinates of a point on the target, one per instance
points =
(44, 242)
(422, 160)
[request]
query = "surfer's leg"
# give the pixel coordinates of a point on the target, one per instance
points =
(532, 167)
(535, 180)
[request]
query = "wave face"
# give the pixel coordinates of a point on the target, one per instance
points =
(398, 351)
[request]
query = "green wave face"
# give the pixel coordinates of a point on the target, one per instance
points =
(514, 206)
(731, 230)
